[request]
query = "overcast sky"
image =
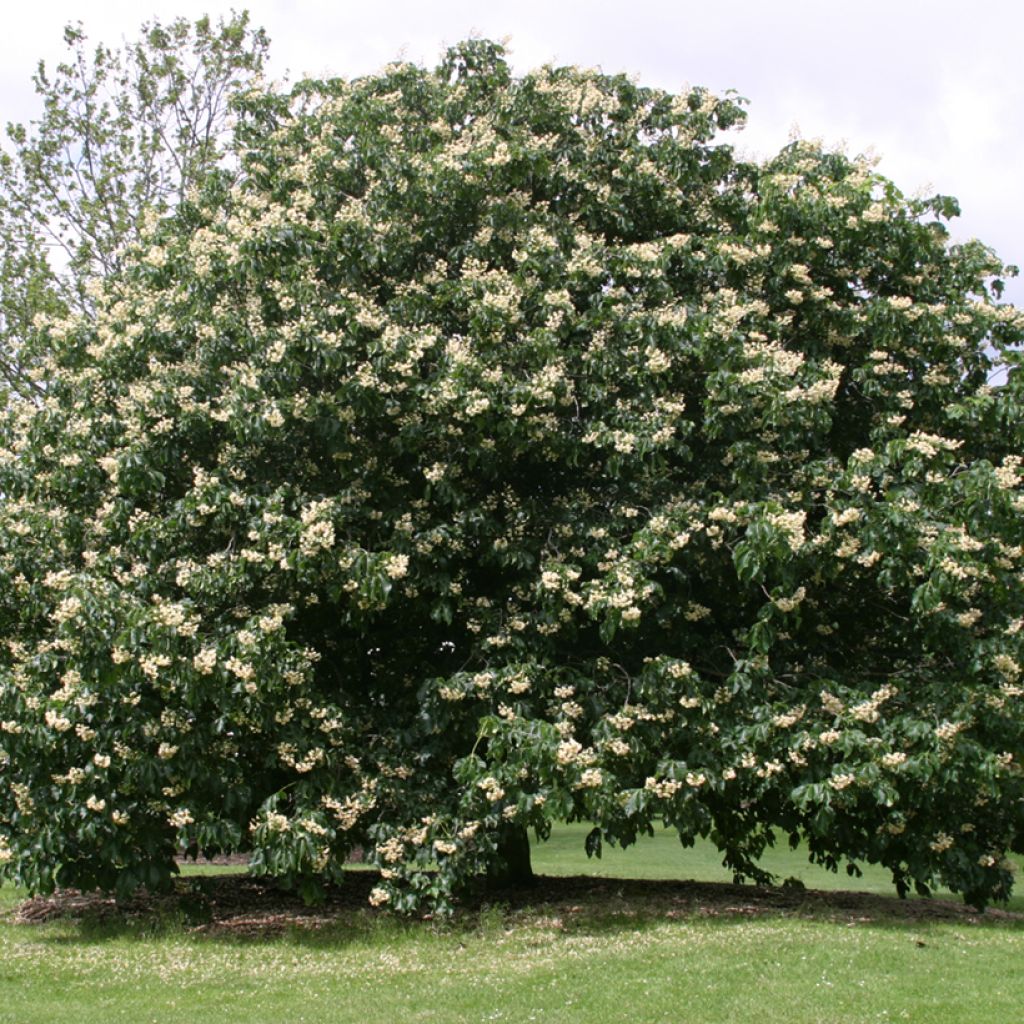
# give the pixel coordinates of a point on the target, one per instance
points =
(935, 87)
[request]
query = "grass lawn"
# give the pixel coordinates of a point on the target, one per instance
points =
(662, 856)
(598, 961)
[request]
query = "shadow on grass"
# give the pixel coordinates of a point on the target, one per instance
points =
(239, 908)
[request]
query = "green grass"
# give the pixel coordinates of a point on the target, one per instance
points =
(663, 856)
(595, 963)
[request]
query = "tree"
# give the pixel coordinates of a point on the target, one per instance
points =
(492, 451)
(122, 137)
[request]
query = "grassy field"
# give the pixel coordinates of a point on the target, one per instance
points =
(604, 961)
(662, 856)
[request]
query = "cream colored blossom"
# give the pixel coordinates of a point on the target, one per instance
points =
(397, 566)
(491, 788)
(568, 751)
(664, 789)
(205, 661)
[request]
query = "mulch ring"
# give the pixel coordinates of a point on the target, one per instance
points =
(245, 905)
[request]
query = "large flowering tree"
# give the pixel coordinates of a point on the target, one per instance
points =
(492, 451)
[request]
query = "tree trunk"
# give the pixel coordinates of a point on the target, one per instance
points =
(511, 868)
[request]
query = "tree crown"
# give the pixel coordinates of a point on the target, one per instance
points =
(490, 450)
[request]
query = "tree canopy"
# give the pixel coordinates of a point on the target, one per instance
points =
(489, 450)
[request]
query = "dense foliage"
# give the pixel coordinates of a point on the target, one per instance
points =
(495, 450)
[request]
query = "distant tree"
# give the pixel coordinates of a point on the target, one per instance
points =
(123, 134)
(491, 451)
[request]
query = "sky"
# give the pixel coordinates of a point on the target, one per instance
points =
(934, 87)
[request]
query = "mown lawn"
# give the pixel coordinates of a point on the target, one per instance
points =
(662, 856)
(597, 961)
